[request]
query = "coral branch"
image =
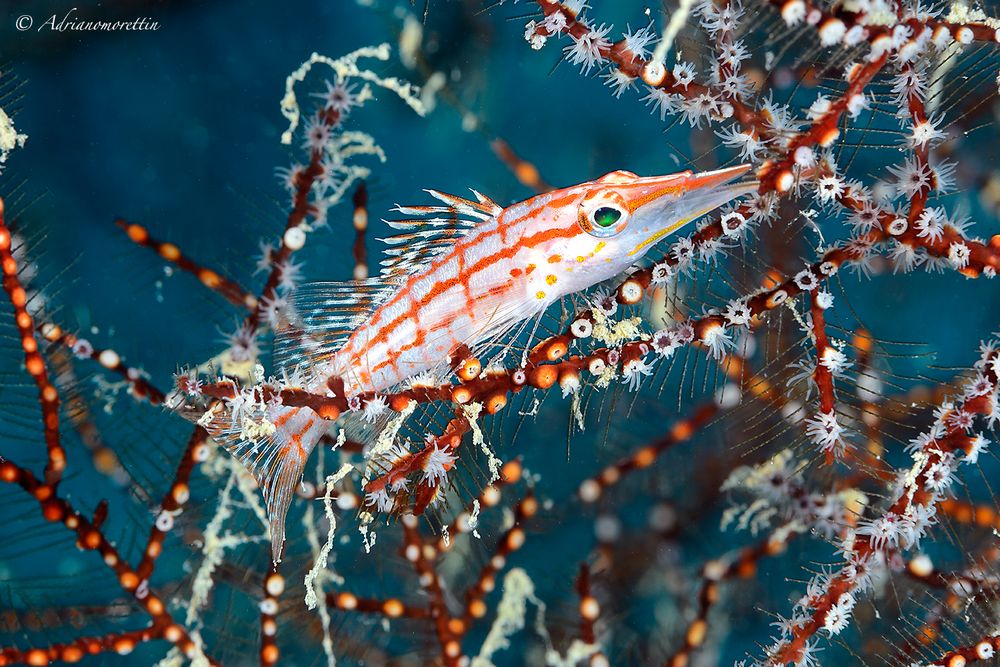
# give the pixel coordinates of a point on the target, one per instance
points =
(590, 608)
(430, 582)
(512, 540)
(593, 488)
(274, 586)
(843, 23)
(121, 643)
(34, 364)
(210, 278)
(139, 385)
(390, 607)
(293, 237)
(633, 66)
(742, 565)
(360, 221)
(173, 502)
(90, 538)
(525, 172)
(907, 517)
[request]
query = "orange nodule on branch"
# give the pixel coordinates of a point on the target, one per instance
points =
(556, 349)
(71, 654)
(470, 369)
(527, 174)
(137, 233)
(461, 395)
(477, 608)
(511, 471)
(52, 511)
(129, 580)
(496, 403)
(269, 654)
(8, 473)
(170, 252)
(399, 403)
(36, 657)
(393, 608)
(327, 411)
(209, 278)
(543, 377)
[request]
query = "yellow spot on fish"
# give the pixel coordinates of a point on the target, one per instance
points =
(598, 248)
(551, 279)
(540, 295)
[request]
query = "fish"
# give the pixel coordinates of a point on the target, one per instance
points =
(460, 275)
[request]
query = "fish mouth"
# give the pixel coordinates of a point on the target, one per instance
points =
(697, 195)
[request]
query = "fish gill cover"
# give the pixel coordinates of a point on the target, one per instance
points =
(764, 440)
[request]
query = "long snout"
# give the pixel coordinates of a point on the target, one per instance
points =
(667, 203)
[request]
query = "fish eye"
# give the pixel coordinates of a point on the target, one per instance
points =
(606, 216)
(603, 213)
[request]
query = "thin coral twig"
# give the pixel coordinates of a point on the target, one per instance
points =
(139, 385)
(34, 363)
(293, 237)
(91, 538)
(74, 651)
(360, 221)
(953, 440)
(274, 586)
(173, 501)
(213, 280)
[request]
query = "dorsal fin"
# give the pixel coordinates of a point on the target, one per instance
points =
(490, 205)
(483, 208)
(433, 230)
(323, 315)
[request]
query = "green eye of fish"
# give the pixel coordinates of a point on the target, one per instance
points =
(606, 216)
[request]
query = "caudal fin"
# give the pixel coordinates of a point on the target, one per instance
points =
(273, 446)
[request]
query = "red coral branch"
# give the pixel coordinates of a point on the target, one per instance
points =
(293, 237)
(525, 172)
(213, 280)
(743, 566)
(954, 439)
(654, 74)
(34, 364)
(121, 643)
(274, 586)
(139, 386)
(360, 221)
(590, 608)
(89, 537)
(593, 488)
(173, 502)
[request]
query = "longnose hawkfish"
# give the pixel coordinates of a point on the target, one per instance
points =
(466, 273)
